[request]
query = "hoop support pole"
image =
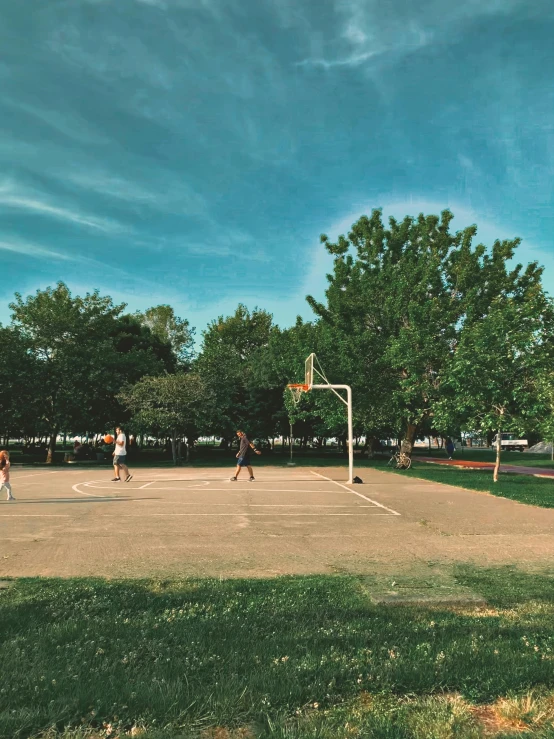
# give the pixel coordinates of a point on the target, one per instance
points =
(350, 426)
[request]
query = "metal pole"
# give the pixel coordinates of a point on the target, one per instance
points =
(291, 442)
(350, 437)
(348, 403)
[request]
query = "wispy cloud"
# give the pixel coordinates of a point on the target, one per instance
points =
(127, 278)
(349, 61)
(368, 31)
(167, 195)
(36, 204)
(23, 248)
(109, 55)
(66, 122)
(154, 3)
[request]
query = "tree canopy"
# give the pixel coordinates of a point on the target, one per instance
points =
(402, 297)
(433, 330)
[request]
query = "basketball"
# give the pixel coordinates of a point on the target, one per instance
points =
(108, 439)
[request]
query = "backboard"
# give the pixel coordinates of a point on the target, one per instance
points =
(309, 375)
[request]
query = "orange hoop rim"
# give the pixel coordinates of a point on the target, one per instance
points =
(298, 386)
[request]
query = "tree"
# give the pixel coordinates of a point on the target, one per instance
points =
(317, 414)
(495, 379)
(172, 330)
(172, 405)
(19, 389)
(79, 369)
(226, 363)
(400, 296)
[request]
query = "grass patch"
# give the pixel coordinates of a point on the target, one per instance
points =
(293, 657)
(522, 488)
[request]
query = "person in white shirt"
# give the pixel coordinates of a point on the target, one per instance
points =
(120, 456)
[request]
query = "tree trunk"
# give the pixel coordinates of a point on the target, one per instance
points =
(51, 447)
(174, 447)
(498, 450)
(187, 447)
(407, 445)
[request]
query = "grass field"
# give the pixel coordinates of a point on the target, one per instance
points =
(292, 657)
(522, 488)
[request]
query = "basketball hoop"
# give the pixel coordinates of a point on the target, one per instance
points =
(296, 390)
(322, 383)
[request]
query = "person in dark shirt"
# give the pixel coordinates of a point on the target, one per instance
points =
(243, 456)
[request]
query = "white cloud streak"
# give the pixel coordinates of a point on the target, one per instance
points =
(167, 196)
(34, 203)
(369, 31)
(23, 248)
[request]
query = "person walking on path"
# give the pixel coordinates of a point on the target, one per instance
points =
(120, 456)
(450, 448)
(243, 456)
(5, 473)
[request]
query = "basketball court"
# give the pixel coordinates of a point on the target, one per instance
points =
(196, 522)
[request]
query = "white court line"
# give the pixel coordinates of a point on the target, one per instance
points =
(369, 500)
(247, 514)
(82, 492)
(34, 515)
(207, 480)
(36, 474)
(261, 505)
(142, 486)
(224, 490)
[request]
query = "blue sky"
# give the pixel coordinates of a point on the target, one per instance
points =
(191, 151)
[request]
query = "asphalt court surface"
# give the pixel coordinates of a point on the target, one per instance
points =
(196, 522)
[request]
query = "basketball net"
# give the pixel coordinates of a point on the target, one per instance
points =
(296, 392)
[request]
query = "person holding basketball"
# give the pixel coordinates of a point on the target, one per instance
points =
(243, 456)
(120, 456)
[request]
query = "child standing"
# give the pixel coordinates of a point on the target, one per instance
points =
(5, 474)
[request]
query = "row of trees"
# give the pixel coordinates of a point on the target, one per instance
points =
(434, 332)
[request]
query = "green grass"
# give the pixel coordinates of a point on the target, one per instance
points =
(292, 657)
(521, 488)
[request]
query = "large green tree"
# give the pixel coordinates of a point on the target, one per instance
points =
(170, 405)
(172, 330)
(400, 296)
(228, 356)
(78, 366)
(494, 381)
(19, 384)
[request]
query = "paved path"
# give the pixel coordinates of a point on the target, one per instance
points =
(195, 522)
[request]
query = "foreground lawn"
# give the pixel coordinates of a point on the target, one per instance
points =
(292, 657)
(523, 488)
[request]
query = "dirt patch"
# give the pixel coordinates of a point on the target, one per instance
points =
(493, 724)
